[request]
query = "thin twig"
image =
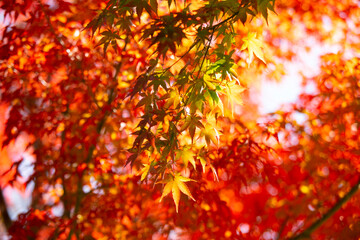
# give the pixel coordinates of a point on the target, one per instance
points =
(52, 29)
(206, 52)
(182, 56)
(198, 40)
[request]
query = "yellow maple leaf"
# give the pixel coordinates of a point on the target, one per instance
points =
(186, 155)
(183, 187)
(203, 164)
(144, 171)
(209, 131)
(174, 99)
(232, 93)
(166, 190)
(209, 82)
(176, 195)
(176, 185)
(254, 47)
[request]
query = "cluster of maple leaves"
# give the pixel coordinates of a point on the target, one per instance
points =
(116, 98)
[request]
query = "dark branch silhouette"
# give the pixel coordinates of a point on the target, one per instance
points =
(307, 232)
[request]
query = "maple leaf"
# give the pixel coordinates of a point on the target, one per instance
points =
(209, 82)
(263, 6)
(144, 171)
(209, 131)
(173, 100)
(186, 155)
(214, 102)
(176, 195)
(232, 92)
(203, 164)
(167, 190)
(254, 46)
(192, 122)
(175, 185)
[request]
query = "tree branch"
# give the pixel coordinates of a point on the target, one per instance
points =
(50, 25)
(79, 192)
(282, 227)
(198, 40)
(307, 232)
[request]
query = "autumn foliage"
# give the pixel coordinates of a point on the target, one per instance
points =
(141, 119)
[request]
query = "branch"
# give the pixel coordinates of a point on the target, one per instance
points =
(64, 197)
(206, 52)
(50, 25)
(282, 227)
(225, 20)
(182, 56)
(198, 40)
(99, 126)
(307, 232)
